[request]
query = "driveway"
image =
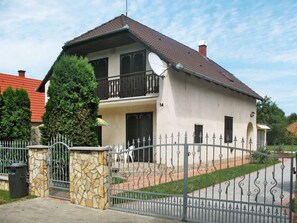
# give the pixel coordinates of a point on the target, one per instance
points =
(52, 211)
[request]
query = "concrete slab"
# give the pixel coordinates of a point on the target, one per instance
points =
(51, 210)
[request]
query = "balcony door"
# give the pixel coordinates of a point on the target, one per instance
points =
(140, 126)
(101, 72)
(133, 79)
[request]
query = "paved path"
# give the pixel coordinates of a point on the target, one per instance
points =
(50, 210)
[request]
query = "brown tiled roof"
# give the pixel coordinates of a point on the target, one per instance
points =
(170, 51)
(36, 98)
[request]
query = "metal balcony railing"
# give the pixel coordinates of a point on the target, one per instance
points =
(128, 85)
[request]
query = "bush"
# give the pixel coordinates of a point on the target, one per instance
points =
(72, 106)
(261, 156)
(15, 115)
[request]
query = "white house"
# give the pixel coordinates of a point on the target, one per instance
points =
(195, 95)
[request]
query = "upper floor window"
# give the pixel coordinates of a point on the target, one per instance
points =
(133, 62)
(228, 129)
(100, 67)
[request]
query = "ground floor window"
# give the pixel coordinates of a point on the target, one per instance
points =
(198, 134)
(228, 129)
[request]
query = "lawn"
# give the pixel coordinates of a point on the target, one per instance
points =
(279, 148)
(194, 183)
(5, 197)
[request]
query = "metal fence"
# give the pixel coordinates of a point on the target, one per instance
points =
(58, 167)
(206, 182)
(12, 152)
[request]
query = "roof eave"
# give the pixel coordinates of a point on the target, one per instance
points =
(199, 75)
(41, 87)
(82, 41)
(68, 44)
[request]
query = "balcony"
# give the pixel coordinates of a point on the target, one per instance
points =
(128, 85)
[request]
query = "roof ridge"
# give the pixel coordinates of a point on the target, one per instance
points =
(25, 78)
(164, 35)
(124, 19)
(91, 30)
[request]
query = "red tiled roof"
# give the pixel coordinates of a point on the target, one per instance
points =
(36, 98)
(293, 128)
(172, 52)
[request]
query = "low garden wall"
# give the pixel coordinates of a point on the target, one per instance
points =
(4, 185)
(88, 171)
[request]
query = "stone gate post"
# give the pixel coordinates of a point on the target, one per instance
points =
(38, 170)
(89, 176)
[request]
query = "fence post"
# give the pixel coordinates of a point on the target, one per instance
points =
(38, 171)
(295, 190)
(88, 169)
(185, 195)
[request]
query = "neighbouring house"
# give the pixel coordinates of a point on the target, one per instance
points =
(262, 135)
(194, 94)
(293, 128)
(36, 98)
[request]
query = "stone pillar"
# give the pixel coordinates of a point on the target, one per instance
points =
(38, 171)
(89, 176)
(4, 184)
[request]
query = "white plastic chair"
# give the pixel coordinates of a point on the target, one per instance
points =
(118, 149)
(129, 153)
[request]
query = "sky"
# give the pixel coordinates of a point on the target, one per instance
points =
(256, 40)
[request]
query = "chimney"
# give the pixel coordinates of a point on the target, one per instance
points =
(202, 47)
(21, 73)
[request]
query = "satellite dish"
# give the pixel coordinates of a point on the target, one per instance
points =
(157, 65)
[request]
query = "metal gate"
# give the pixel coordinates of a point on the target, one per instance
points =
(210, 181)
(58, 168)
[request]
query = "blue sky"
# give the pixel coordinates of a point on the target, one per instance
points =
(254, 40)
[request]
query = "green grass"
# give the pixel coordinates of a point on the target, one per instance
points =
(194, 183)
(206, 180)
(278, 148)
(118, 180)
(5, 197)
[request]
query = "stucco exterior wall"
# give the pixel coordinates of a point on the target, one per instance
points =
(188, 100)
(115, 133)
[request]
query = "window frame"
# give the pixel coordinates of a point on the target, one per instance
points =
(95, 62)
(132, 66)
(197, 138)
(228, 129)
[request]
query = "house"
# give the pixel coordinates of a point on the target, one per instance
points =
(194, 94)
(36, 98)
(292, 128)
(262, 135)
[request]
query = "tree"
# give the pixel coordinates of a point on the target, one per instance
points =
(15, 121)
(269, 113)
(292, 118)
(72, 106)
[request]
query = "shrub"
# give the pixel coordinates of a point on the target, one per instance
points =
(15, 120)
(261, 156)
(72, 106)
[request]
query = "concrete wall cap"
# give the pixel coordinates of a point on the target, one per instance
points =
(86, 148)
(4, 177)
(37, 147)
